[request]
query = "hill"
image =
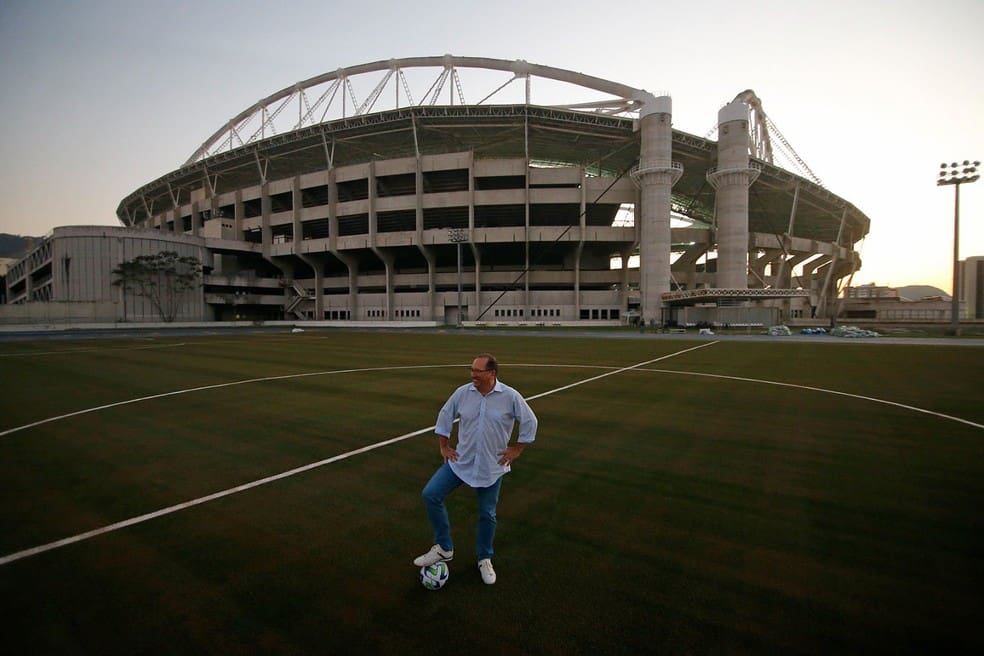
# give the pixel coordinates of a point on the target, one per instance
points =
(916, 292)
(13, 245)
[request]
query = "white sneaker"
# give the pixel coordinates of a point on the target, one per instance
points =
(435, 555)
(488, 574)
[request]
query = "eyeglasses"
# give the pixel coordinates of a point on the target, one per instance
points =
(480, 371)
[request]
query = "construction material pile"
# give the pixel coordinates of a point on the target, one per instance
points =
(853, 331)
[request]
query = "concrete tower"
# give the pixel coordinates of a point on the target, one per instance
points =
(655, 175)
(731, 178)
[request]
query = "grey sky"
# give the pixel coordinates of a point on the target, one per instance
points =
(100, 97)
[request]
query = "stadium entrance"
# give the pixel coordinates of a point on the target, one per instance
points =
(451, 314)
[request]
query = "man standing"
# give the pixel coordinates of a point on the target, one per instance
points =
(488, 410)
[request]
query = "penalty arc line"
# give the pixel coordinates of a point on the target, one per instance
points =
(618, 371)
(825, 391)
(163, 395)
(33, 551)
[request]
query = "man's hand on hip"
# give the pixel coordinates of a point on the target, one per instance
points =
(510, 454)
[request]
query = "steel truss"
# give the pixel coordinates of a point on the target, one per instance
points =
(334, 95)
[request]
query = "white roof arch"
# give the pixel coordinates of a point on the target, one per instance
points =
(357, 90)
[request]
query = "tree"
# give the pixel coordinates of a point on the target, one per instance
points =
(163, 279)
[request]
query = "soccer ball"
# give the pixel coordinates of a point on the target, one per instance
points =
(433, 577)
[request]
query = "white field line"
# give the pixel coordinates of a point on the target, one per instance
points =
(48, 420)
(263, 481)
(824, 391)
(194, 502)
(761, 381)
(618, 371)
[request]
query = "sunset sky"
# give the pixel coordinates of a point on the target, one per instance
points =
(101, 97)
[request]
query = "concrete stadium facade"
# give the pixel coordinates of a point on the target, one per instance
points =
(498, 211)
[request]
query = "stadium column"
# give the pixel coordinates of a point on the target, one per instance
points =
(237, 215)
(475, 299)
(384, 256)
(196, 219)
(419, 239)
(266, 233)
(829, 289)
(312, 260)
(758, 265)
(350, 262)
(783, 276)
(655, 175)
(814, 272)
(582, 223)
(731, 178)
(525, 297)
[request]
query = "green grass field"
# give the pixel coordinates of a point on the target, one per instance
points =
(686, 506)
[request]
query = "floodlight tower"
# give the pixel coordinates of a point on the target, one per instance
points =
(957, 174)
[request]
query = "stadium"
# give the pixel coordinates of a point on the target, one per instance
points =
(471, 190)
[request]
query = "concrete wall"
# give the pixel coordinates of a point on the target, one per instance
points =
(60, 313)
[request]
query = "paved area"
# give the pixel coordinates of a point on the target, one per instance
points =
(693, 335)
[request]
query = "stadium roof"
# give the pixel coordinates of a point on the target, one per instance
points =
(598, 134)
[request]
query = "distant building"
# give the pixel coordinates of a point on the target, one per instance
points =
(872, 291)
(971, 287)
(881, 303)
(5, 263)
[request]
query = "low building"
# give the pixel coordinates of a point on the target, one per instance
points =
(885, 304)
(971, 287)
(67, 277)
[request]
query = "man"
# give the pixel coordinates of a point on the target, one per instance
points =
(488, 410)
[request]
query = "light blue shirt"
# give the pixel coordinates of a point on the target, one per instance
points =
(484, 430)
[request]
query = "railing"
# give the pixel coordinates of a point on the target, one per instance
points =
(675, 169)
(711, 292)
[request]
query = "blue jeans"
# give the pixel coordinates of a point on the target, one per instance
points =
(442, 483)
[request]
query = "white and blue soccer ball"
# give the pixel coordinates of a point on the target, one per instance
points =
(433, 577)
